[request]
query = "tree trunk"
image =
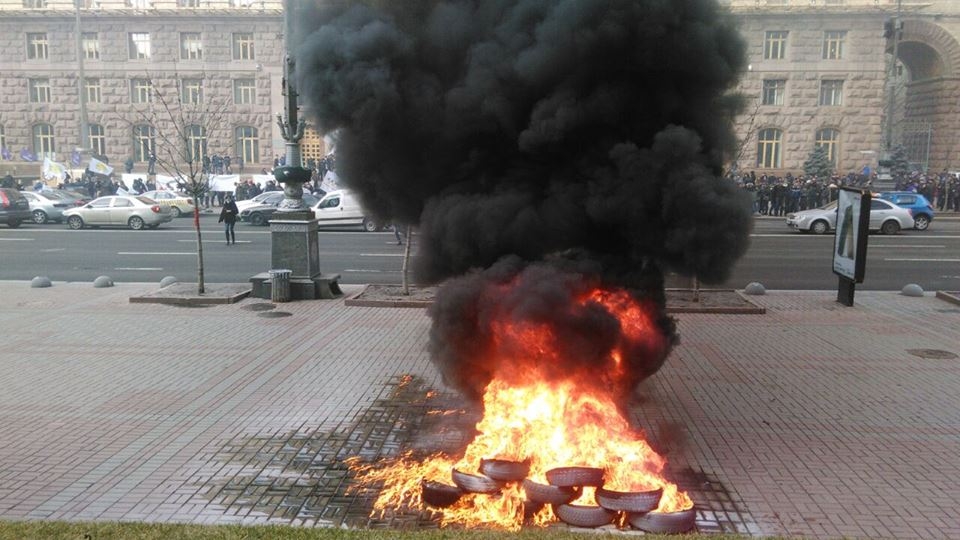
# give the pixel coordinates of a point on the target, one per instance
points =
(196, 227)
(406, 262)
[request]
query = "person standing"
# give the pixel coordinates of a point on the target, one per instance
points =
(228, 216)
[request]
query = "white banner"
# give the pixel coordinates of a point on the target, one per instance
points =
(262, 179)
(165, 183)
(224, 182)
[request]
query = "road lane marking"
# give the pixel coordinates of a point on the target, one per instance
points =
(922, 260)
(381, 254)
(905, 246)
(52, 250)
(17, 239)
(156, 253)
(134, 269)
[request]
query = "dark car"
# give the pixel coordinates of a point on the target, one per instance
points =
(262, 213)
(14, 208)
(918, 205)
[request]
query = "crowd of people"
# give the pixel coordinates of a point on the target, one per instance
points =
(778, 196)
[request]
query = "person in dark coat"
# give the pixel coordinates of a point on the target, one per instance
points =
(228, 216)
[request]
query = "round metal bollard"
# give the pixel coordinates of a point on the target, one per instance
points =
(280, 285)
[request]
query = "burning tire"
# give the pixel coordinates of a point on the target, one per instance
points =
(438, 494)
(639, 502)
(664, 522)
(547, 494)
(504, 470)
(583, 516)
(474, 483)
(575, 476)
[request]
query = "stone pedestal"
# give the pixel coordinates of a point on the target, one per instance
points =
(293, 238)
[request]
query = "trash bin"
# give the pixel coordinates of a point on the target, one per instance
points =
(280, 285)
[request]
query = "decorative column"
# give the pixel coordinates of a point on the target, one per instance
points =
(293, 229)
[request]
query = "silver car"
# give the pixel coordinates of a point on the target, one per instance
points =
(131, 211)
(49, 204)
(885, 217)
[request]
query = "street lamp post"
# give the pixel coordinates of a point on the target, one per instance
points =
(891, 97)
(83, 143)
(294, 250)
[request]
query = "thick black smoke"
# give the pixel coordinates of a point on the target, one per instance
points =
(595, 129)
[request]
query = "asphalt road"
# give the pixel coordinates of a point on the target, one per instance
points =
(778, 257)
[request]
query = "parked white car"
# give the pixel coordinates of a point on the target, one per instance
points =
(341, 209)
(179, 205)
(131, 211)
(885, 217)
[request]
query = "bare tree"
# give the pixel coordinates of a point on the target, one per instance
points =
(182, 117)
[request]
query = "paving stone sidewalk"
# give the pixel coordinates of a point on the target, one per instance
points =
(813, 419)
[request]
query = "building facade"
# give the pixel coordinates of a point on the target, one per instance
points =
(821, 73)
(222, 57)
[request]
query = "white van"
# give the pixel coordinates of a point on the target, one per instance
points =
(342, 209)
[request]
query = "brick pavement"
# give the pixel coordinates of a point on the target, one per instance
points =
(810, 420)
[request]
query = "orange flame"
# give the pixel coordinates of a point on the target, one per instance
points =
(529, 415)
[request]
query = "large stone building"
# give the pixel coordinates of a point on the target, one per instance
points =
(212, 55)
(820, 72)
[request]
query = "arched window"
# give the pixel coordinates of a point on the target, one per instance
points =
(248, 144)
(829, 139)
(143, 142)
(43, 145)
(196, 143)
(769, 143)
(98, 141)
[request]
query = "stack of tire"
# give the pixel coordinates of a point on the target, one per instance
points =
(564, 485)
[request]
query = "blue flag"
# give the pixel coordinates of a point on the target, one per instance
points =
(5, 153)
(27, 155)
(75, 158)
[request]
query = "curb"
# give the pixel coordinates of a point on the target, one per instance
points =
(356, 300)
(184, 294)
(746, 307)
(950, 296)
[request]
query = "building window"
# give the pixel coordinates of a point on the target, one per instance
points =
(143, 142)
(91, 90)
(35, 4)
(139, 4)
(196, 143)
(190, 46)
(140, 90)
(244, 91)
(243, 46)
(43, 141)
(3, 144)
(138, 44)
(37, 46)
(98, 142)
(39, 90)
(188, 3)
(242, 3)
(769, 141)
(831, 93)
(829, 139)
(775, 45)
(773, 91)
(90, 43)
(248, 144)
(191, 91)
(833, 44)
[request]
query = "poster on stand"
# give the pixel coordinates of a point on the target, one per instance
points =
(850, 243)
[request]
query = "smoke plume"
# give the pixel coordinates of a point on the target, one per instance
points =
(541, 131)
